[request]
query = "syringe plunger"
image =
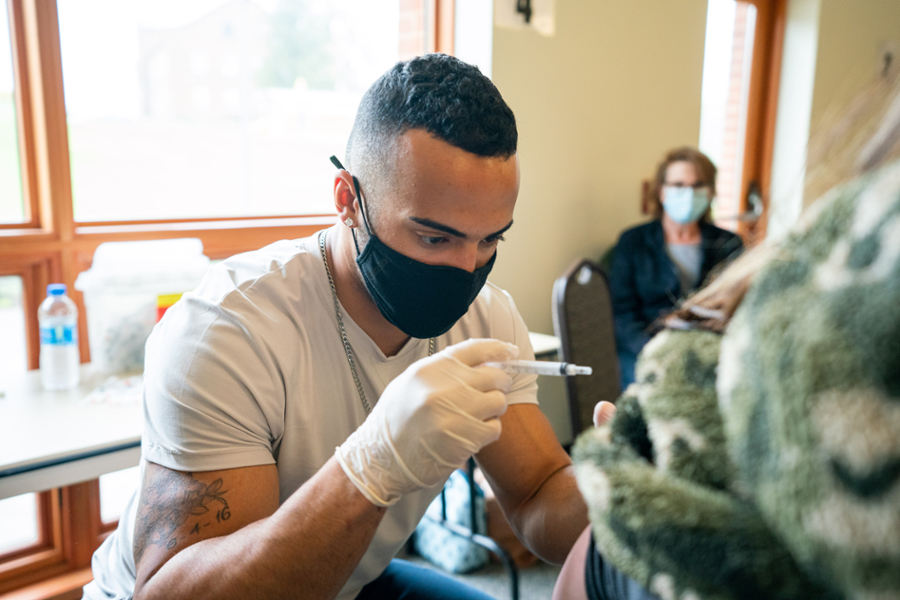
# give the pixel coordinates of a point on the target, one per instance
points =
(540, 367)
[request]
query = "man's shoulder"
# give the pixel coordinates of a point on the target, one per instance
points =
(495, 298)
(264, 273)
(255, 309)
(259, 293)
(492, 314)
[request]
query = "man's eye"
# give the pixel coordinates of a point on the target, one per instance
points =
(432, 240)
(493, 239)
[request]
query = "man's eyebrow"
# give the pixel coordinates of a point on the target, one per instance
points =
(450, 230)
(502, 231)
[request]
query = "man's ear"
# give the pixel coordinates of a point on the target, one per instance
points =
(345, 202)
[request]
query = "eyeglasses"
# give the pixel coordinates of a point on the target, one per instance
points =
(678, 184)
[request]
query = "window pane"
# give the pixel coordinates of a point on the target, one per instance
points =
(12, 210)
(115, 491)
(13, 354)
(18, 522)
(730, 28)
(216, 108)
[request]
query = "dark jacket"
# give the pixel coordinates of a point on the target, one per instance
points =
(603, 581)
(644, 283)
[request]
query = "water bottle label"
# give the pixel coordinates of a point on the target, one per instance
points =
(59, 335)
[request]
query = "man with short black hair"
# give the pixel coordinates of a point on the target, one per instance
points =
(308, 400)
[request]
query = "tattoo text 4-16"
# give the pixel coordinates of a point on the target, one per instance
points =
(168, 501)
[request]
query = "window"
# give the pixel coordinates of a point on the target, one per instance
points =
(739, 96)
(12, 324)
(220, 108)
(726, 79)
(18, 522)
(115, 491)
(12, 210)
(116, 124)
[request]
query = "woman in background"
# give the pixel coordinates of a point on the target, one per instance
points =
(656, 264)
(757, 455)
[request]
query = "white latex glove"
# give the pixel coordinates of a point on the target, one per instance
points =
(429, 421)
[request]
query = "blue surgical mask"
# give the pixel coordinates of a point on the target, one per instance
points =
(685, 204)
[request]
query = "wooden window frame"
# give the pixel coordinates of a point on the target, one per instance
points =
(762, 106)
(46, 551)
(50, 246)
(58, 565)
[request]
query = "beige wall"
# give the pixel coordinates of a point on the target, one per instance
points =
(597, 105)
(833, 48)
(852, 34)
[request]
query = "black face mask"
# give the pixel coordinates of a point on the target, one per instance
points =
(419, 299)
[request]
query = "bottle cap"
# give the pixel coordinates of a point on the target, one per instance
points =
(56, 289)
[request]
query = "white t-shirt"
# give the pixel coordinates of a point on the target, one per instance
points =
(249, 369)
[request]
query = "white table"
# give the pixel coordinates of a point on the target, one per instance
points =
(545, 346)
(54, 439)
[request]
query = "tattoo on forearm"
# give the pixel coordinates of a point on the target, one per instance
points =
(169, 501)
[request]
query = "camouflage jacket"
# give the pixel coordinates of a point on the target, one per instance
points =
(765, 463)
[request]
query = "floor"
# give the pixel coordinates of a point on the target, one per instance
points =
(535, 583)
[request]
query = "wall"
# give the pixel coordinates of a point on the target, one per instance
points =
(795, 91)
(597, 106)
(833, 48)
(851, 38)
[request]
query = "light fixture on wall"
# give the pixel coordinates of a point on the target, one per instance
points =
(888, 58)
(538, 16)
(524, 8)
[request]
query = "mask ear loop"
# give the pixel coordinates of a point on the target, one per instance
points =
(362, 208)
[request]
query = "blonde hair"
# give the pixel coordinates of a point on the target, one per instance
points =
(860, 138)
(712, 307)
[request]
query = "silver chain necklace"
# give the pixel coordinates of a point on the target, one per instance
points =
(347, 349)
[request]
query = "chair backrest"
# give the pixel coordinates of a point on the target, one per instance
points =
(583, 320)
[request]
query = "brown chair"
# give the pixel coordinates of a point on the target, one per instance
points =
(583, 321)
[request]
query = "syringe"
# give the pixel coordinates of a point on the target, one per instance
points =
(540, 367)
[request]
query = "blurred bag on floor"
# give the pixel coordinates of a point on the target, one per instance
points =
(439, 546)
(499, 530)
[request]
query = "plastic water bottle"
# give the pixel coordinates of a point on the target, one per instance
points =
(60, 359)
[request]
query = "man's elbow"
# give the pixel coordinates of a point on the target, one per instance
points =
(549, 530)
